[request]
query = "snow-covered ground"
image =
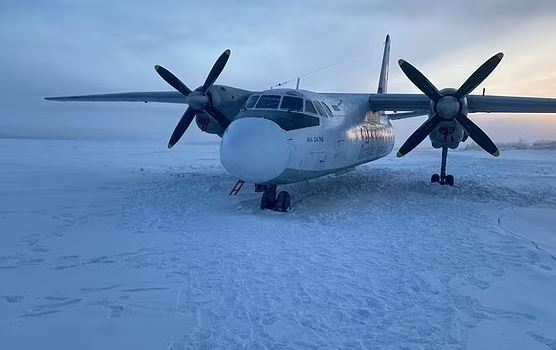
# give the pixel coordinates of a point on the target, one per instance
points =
(126, 245)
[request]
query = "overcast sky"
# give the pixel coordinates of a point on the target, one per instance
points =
(67, 47)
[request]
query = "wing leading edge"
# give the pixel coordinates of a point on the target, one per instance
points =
(153, 96)
(417, 103)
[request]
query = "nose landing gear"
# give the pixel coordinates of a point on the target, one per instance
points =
(443, 179)
(270, 200)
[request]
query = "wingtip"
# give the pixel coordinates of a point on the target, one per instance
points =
(401, 62)
(399, 154)
(496, 154)
(500, 55)
(157, 67)
(387, 38)
(228, 52)
(170, 145)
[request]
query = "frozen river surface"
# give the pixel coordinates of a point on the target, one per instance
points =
(126, 245)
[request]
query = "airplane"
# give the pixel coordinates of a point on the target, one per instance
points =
(284, 136)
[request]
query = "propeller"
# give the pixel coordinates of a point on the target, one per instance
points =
(450, 105)
(199, 100)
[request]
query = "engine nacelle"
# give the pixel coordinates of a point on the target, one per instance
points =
(208, 124)
(447, 133)
(226, 100)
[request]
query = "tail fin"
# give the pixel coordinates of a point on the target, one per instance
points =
(383, 82)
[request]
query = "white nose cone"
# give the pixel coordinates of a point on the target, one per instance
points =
(254, 149)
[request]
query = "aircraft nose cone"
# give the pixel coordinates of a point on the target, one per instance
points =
(254, 149)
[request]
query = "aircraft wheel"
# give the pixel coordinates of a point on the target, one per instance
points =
(450, 180)
(435, 178)
(283, 201)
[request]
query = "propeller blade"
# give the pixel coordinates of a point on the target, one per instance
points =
(479, 76)
(216, 70)
(172, 80)
(420, 80)
(478, 135)
(182, 126)
(419, 135)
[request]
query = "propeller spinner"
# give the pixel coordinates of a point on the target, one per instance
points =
(449, 105)
(199, 100)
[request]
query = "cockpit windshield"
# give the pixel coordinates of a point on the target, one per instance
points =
(290, 103)
(273, 106)
(251, 101)
(269, 102)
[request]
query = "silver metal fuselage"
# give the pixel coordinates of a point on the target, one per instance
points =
(256, 151)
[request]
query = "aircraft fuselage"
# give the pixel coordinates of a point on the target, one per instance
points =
(271, 144)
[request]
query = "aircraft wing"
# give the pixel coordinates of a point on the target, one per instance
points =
(154, 96)
(418, 104)
(509, 104)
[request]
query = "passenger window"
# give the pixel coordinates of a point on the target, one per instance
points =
(328, 111)
(292, 104)
(320, 108)
(309, 108)
(251, 101)
(269, 102)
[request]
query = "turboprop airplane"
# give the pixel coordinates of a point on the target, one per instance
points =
(283, 136)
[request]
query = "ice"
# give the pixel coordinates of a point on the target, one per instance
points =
(117, 245)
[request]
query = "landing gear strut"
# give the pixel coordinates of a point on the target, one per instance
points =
(443, 179)
(270, 200)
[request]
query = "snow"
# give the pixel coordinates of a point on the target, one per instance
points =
(120, 245)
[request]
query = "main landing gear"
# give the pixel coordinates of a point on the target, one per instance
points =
(270, 200)
(443, 179)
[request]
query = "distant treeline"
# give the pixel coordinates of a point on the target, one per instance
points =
(521, 144)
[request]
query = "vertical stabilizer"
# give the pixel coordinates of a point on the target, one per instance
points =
(383, 82)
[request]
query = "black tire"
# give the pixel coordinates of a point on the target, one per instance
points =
(267, 201)
(435, 178)
(450, 180)
(283, 201)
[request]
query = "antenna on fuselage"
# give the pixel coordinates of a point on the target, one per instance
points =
(297, 85)
(314, 71)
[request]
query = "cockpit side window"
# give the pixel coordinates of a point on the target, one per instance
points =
(309, 108)
(292, 104)
(268, 102)
(328, 111)
(251, 101)
(320, 108)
